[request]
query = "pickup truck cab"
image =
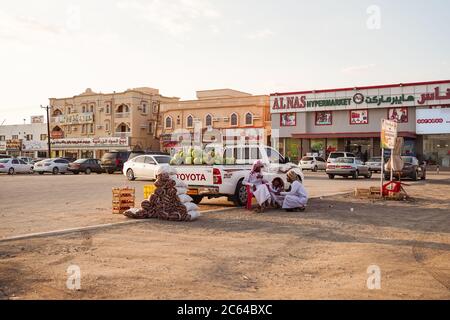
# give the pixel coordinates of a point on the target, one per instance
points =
(227, 180)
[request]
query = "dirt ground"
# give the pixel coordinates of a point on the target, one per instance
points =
(323, 253)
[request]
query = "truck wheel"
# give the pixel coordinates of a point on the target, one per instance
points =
(369, 175)
(240, 195)
(11, 171)
(197, 199)
(110, 171)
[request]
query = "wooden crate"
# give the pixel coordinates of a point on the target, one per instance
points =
(122, 199)
(362, 193)
(375, 192)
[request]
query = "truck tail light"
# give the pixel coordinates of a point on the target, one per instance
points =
(217, 176)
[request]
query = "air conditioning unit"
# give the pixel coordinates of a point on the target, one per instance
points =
(226, 119)
(216, 119)
(99, 127)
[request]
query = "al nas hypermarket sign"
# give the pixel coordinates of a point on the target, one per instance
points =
(383, 97)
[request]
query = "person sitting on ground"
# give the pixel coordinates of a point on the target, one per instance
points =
(275, 190)
(255, 180)
(297, 198)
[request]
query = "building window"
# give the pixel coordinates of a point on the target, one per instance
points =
(208, 120)
(123, 108)
(43, 137)
(56, 113)
(2, 138)
(168, 123)
(144, 108)
(15, 137)
(106, 125)
(155, 107)
(108, 109)
(83, 128)
(123, 128)
(190, 121)
(150, 127)
(69, 110)
(91, 108)
(249, 119)
(234, 120)
(91, 128)
(83, 109)
(29, 137)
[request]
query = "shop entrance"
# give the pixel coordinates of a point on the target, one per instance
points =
(362, 148)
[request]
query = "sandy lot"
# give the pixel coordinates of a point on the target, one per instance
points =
(323, 253)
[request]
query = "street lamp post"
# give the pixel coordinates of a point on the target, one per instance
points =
(48, 131)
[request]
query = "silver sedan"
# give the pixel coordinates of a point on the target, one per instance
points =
(348, 167)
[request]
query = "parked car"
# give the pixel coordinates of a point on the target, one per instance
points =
(348, 167)
(333, 156)
(85, 165)
(5, 156)
(12, 166)
(55, 166)
(69, 159)
(313, 163)
(374, 164)
(412, 169)
(144, 166)
(113, 161)
(26, 160)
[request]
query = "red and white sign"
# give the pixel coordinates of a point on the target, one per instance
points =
(433, 121)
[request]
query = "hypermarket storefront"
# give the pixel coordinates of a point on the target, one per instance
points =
(349, 119)
(433, 127)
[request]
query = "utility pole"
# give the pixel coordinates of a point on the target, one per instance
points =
(48, 131)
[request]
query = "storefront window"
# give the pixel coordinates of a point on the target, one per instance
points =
(318, 146)
(436, 149)
(292, 149)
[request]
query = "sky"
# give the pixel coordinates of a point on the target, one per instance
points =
(58, 48)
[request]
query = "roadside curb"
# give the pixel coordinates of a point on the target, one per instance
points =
(124, 223)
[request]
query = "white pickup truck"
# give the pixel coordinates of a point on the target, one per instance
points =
(213, 181)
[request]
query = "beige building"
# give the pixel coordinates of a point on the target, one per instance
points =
(216, 116)
(90, 124)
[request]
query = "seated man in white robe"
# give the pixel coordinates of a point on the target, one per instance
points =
(297, 198)
(258, 186)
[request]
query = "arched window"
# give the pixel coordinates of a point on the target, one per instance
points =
(56, 113)
(123, 108)
(208, 120)
(189, 121)
(234, 119)
(123, 128)
(168, 123)
(248, 118)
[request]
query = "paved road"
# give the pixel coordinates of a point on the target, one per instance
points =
(34, 203)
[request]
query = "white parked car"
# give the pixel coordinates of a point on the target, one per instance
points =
(313, 163)
(12, 166)
(339, 154)
(348, 167)
(54, 166)
(144, 167)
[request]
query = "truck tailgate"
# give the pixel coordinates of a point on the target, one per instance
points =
(195, 175)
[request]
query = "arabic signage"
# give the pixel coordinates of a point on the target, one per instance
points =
(433, 121)
(34, 145)
(37, 119)
(383, 97)
(14, 145)
(74, 118)
(388, 134)
(106, 142)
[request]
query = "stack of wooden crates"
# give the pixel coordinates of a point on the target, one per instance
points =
(123, 199)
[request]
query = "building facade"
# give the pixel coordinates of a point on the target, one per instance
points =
(349, 119)
(217, 116)
(90, 124)
(27, 140)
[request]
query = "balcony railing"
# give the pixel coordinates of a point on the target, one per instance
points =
(121, 115)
